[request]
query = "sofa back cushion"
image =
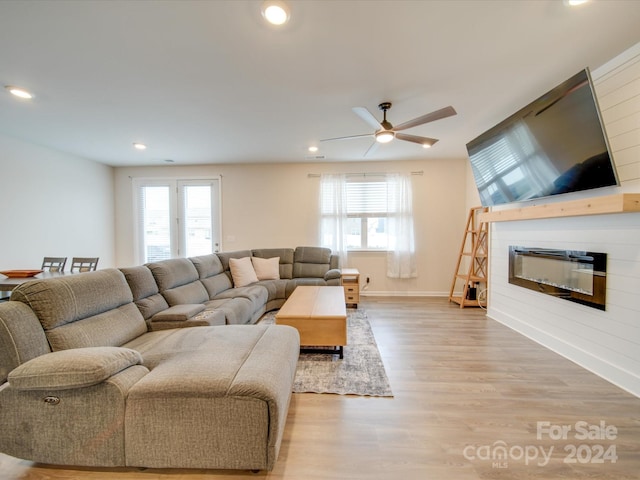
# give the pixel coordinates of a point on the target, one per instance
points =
(311, 262)
(90, 309)
(225, 256)
(145, 291)
(286, 259)
(21, 337)
(178, 281)
(207, 265)
(212, 274)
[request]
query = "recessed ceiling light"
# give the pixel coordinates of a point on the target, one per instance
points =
(313, 149)
(139, 146)
(19, 92)
(426, 145)
(275, 12)
(574, 3)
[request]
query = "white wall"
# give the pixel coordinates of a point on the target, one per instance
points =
(605, 342)
(53, 204)
(276, 205)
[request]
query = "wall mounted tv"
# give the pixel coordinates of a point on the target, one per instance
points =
(554, 145)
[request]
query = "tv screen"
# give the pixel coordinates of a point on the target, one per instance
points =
(554, 145)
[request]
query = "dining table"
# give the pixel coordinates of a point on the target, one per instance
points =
(7, 284)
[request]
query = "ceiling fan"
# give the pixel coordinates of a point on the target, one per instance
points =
(385, 132)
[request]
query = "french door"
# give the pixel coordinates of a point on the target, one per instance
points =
(176, 218)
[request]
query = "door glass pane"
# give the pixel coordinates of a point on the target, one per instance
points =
(156, 223)
(197, 220)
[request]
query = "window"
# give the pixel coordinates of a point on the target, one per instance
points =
(176, 218)
(366, 214)
(360, 213)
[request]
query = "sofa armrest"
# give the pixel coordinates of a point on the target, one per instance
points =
(332, 274)
(178, 313)
(73, 368)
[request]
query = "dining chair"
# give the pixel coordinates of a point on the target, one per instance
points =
(84, 264)
(54, 264)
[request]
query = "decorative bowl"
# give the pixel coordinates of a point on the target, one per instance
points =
(20, 273)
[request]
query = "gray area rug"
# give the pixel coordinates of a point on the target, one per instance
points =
(361, 372)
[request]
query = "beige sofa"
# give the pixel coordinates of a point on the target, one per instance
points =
(95, 372)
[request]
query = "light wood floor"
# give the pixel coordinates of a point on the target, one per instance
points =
(463, 384)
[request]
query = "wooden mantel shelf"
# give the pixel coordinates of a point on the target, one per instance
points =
(619, 203)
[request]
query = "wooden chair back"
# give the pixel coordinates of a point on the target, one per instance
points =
(84, 264)
(54, 264)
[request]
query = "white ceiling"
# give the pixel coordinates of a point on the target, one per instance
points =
(209, 82)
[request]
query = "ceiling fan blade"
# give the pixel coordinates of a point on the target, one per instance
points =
(348, 137)
(372, 148)
(367, 116)
(429, 117)
(416, 139)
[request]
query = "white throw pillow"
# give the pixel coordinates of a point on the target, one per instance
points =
(266, 268)
(242, 271)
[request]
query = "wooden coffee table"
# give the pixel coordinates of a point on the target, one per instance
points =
(320, 316)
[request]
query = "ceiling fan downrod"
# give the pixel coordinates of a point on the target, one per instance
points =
(386, 134)
(384, 106)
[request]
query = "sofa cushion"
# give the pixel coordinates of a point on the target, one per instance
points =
(145, 290)
(228, 388)
(312, 255)
(237, 311)
(225, 256)
(255, 293)
(178, 281)
(284, 254)
(311, 262)
(173, 273)
(193, 292)
(111, 328)
(76, 368)
(276, 289)
(242, 271)
(266, 268)
(217, 284)
(90, 309)
(207, 265)
(140, 281)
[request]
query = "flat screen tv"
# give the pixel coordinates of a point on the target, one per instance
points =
(554, 145)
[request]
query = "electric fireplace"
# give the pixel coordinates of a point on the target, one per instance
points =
(573, 275)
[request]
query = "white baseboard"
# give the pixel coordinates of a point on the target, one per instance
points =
(382, 293)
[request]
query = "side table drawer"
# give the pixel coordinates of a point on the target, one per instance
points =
(351, 293)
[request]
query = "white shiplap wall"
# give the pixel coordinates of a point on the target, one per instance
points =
(617, 85)
(605, 342)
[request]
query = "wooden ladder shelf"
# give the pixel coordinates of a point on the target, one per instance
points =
(471, 269)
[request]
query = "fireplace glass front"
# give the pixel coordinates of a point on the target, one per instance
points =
(573, 275)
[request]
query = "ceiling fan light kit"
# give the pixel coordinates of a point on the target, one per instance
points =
(385, 132)
(384, 136)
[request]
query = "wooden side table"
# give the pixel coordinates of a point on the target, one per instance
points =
(350, 280)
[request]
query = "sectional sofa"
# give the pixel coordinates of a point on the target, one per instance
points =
(98, 369)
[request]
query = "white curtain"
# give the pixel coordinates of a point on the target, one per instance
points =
(333, 206)
(401, 254)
